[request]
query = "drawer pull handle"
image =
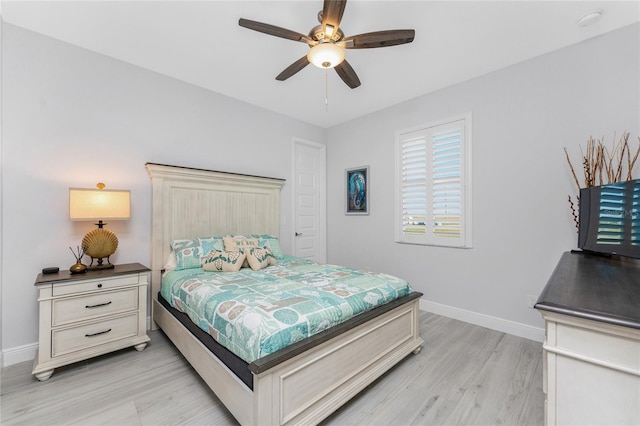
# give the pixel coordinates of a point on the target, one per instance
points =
(100, 285)
(98, 333)
(98, 305)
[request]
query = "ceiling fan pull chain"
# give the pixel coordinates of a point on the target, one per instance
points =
(326, 90)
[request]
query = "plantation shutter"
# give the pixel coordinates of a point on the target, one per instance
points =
(414, 187)
(431, 196)
(447, 183)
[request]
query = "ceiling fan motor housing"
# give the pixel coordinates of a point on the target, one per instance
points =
(317, 34)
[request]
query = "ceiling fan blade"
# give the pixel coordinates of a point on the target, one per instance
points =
(275, 31)
(332, 14)
(379, 39)
(293, 68)
(347, 74)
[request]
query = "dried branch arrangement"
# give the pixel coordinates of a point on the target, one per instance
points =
(602, 165)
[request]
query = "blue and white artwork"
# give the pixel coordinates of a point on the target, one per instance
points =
(357, 190)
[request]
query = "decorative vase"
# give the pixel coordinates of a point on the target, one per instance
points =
(78, 268)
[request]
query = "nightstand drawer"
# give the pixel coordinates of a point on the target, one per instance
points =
(90, 335)
(94, 284)
(80, 308)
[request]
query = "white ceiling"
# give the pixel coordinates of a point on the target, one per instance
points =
(200, 42)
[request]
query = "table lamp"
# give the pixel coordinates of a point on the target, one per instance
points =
(99, 204)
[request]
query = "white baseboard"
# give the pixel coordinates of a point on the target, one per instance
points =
(28, 352)
(487, 321)
(19, 354)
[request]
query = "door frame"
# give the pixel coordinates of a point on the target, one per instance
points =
(322, 201)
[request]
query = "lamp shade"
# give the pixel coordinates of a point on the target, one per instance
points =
(99, 204)
(326, 55)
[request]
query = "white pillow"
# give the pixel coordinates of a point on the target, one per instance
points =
(170, 264)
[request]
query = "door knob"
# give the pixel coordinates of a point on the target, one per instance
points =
(298, 234)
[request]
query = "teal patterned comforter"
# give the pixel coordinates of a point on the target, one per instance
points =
(256, 313)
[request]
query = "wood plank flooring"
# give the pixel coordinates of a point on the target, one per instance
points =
(464, 375)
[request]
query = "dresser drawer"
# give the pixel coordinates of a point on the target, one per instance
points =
(70, 309)
(94, 284)
(87, 336)
(617, 348)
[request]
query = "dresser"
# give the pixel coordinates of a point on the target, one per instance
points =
(89, 314)
(591, 308)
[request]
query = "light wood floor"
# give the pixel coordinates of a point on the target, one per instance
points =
(465, 375)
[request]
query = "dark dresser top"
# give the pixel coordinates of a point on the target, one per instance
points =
(605, 289)
(66, 276)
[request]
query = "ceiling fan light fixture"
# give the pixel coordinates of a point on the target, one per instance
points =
(326, 55)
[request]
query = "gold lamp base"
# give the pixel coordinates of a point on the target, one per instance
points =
(98, 244)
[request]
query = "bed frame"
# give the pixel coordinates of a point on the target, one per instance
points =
(302, 384)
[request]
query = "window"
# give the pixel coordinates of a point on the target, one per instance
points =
(433, 196)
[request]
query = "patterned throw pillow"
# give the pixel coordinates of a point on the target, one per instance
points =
(223, 261)
(270, 241)
(189, 253)
(260, 257)
(239, 243)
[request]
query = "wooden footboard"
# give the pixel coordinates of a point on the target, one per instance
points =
(313, 385)
(310, 386)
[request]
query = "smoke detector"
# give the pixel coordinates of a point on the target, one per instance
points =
(589, 18)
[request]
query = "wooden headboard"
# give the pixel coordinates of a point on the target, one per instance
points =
(190, 203)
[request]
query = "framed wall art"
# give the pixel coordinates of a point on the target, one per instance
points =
(357, 191)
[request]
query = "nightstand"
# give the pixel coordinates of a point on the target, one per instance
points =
(89, 314)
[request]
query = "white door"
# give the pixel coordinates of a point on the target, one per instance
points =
(310, 200)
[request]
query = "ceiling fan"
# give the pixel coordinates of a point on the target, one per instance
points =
(327, 42)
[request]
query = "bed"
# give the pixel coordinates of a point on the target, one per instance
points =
(302, 383)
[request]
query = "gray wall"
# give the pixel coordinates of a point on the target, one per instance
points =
(523, 116)
(73, 118)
